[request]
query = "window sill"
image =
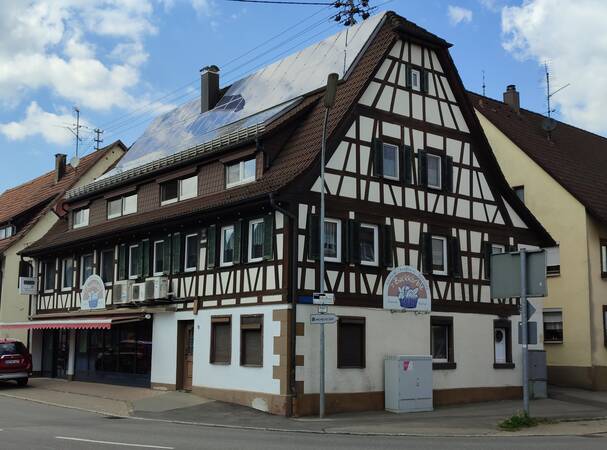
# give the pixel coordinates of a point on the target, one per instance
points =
(240, 183)
(444, 366)
(219, 363)
(255, 366)
(503, 365)
(351, 367)
(553, 342)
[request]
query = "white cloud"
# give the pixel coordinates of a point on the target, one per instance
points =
(51, 126)
(203, 7)
(570, 35)
(457, 15)
(491, 5)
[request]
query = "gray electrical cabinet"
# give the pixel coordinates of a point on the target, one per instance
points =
(408, 383)
(538, 374)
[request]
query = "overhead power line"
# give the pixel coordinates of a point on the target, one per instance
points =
(278, 2)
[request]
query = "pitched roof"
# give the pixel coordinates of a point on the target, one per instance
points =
(575, 158)
(41, 193)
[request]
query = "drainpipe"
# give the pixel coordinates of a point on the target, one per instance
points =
(293, 288)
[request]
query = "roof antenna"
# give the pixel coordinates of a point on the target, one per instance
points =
(98, 139)
(484, 85)
(549, 124)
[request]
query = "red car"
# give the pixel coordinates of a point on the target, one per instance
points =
(15, 361)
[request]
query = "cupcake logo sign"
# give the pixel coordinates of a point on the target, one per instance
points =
(406, 289)
(93, 293)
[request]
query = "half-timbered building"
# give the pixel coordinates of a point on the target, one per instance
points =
(206, 234)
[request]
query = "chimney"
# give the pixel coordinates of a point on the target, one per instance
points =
(511, 98)
(59, 166)
(209, 88)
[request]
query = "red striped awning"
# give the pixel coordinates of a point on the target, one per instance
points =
(97, 323)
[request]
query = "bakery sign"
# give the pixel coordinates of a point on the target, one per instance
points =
(93, 293)
(406, 289)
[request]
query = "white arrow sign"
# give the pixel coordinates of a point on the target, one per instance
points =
(317, 319)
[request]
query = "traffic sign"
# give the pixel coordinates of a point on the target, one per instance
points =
(318, 319)
(323, 299)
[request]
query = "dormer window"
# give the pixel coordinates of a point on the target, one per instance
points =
(81, 217)
(6, 231)
(177, 190)
(122, 206)
(241, 172)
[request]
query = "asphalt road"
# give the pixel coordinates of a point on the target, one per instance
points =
(27, 425)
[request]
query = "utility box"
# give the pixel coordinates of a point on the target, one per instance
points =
(538, 374)
(408, 383)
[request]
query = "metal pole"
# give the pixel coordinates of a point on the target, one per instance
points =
(321, 407)
(524, 328)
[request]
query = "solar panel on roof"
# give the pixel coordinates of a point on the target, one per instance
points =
(255, 99)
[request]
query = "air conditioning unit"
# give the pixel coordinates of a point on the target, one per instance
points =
(156, 288)
(138, 292)
(121, 292)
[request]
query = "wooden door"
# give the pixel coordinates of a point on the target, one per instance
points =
(188, 355)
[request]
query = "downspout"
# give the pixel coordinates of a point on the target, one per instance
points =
(293, 288)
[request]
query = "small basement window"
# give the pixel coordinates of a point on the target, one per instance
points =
(80, 217)
(441, 342)
(251, 341)
(240, 173)
(351, 343)
(221, 340)
(553, 326)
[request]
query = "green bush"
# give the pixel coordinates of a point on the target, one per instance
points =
(518, 421)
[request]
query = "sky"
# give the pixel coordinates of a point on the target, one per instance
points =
(124, 62)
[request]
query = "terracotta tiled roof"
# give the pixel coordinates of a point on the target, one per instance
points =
(41, 193)
(575, 158)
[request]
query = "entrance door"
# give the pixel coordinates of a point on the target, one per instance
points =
(187, 344)
(55, 353)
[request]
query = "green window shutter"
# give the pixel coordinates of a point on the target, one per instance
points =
(377, 150)
(237, 241)
(422, 164)
(407, 157)
(268, 236)
(313, 237)
(166, 255)
(144, 267)
(447, 173)
(487, 259)
(424, 81)
(354, 241)
(454, 258)
(176, 253)
(122, 265)
(211, 245)
(388, 256)
(427, 253)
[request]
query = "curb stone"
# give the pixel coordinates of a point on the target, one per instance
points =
(324, 431)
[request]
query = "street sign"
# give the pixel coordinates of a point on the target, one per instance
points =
(323, 309)
(531, 333)
(506, 274)
(318, 319)
(530, 309)
(325, 298)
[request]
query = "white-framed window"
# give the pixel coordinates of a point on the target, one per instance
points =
(240, 173)
(553, 325)
(440, 343)
(439, 255)
(122, 206)
(433, 168)
(159, 263)
(416, 84)
(177, 190)
(604, 260)
(227, 246)
(49, 276)
(6, 232)
(390, 161)
(81, 217)
(107, 266)
(256, 240)
(369, 236)
(67, 273)
(333, 240)
(191, 253)
(134, 261)
(86, 267)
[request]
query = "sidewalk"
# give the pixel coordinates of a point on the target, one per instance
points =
(577, 412)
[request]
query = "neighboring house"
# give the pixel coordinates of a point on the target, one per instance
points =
(28, 212)
(561, 173)
(206, 236)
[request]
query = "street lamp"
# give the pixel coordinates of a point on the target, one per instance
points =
(329, 100)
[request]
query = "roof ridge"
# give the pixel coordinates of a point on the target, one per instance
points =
(535, 113)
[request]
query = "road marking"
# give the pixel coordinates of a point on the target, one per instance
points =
(124, 444)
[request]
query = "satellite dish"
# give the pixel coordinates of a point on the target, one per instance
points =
(74, 162)
(549, 124)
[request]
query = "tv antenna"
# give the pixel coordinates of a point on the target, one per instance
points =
(75, 129)
(484, 85)
(549, 94)
(98, 139)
